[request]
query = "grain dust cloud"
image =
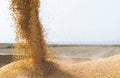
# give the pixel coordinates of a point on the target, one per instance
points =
(29, 31)
(30, 42)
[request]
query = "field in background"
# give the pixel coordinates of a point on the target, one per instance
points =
(76, 52)
(86, 51)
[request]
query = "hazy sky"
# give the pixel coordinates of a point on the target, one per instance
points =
(72, 21)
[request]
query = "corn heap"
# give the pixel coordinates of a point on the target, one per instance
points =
(29, 32)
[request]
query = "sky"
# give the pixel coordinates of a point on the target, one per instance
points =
(71, 21)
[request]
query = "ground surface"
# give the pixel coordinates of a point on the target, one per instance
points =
(67, 53)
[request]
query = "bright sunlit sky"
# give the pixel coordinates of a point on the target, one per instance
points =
(72, 21)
